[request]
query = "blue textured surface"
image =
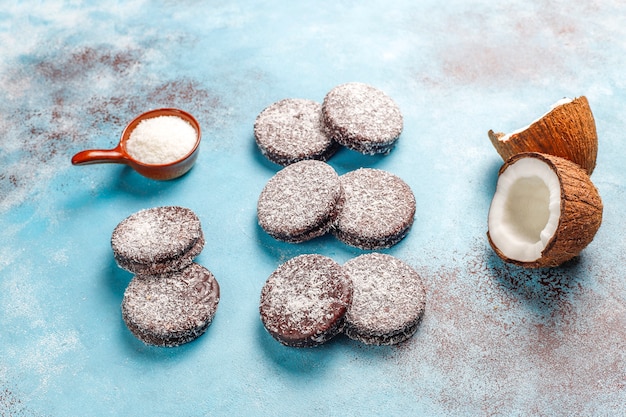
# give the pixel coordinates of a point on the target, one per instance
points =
(495, 340)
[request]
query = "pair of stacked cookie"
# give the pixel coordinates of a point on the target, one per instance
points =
(171, 300)
(374, 298)
(355, 115)
(366, 208)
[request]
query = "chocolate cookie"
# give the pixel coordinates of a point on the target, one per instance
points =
(157, 240)
(378, 210)
(290, 130)
(362, 118)
(172, 309)
(300, 202)
(304, 301)
(388, 299)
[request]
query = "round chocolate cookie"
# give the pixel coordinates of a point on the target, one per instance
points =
(171, 309)
(388, 299)
(378, 210)
(290, 130)
(157, 240)
(362, 118)
(304, 301)
(300, 202)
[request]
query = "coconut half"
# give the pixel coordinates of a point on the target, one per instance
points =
(544, 212)
(568, 130)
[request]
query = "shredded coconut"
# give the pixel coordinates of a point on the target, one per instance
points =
(362, 118)
(300, 202)
(157, 240)
(172, 309)
(378, 210)
(161, 140)
(290, 130)
(304, 301)
(388, 299)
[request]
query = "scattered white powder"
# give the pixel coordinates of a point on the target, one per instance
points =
(161, 140)
(19, 300)
(48, 357)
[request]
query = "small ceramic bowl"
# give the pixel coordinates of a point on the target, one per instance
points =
(119, 154)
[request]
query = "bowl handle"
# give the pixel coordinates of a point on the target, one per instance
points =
(98, 156)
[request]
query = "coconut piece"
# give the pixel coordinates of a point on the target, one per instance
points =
(568, 130)
(544, 212)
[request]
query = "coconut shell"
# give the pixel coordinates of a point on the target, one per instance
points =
(581, 212)
(567, 131)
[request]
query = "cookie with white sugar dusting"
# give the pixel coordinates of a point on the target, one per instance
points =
(362, 118)
(172, 309)
(388, 299)
(157, 240)
(378, 210)
(300, 202)
(290, 130)
(304, 301)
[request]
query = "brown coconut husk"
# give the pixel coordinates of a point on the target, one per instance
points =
(581, 212)
(567, 131)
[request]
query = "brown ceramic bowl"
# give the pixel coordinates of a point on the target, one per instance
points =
(119, 155)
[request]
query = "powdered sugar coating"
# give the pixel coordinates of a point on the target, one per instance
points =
(171, 309)
(290, 130)
(304, 301)
(300, 202)
(388, 299)
(157, 240)
(378, 210)
(362, 118)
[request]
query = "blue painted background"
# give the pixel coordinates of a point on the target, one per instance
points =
(495, 339)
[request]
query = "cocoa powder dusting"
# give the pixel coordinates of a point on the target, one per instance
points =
(11, 405)
(65, 100)
(495, 334)
(78, 63)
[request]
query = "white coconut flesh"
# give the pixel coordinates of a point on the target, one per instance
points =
(525, 210)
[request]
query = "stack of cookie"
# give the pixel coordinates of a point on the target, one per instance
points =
(171, 300)
(374, 298)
